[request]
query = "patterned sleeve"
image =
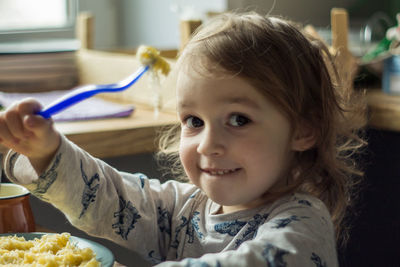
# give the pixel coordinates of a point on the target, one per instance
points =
(298, 233)
(128, 209)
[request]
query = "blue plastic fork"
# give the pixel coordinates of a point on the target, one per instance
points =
(86, 91)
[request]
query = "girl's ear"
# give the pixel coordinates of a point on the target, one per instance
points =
(304, 138)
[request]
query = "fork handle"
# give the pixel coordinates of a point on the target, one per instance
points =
(86, 91)
(68, 100)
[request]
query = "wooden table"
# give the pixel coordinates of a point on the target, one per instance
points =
(117, 136)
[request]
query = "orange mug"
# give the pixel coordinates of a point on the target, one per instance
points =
(15, 210)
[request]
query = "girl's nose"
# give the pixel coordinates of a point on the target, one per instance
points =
(211, 143)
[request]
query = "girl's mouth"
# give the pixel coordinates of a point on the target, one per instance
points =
(220, 171)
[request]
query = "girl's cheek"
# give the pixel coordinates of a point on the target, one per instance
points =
(183, 151)
(187, 153)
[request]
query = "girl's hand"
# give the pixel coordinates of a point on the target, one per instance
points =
(29, 134)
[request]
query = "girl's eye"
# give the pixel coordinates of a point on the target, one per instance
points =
(194, 122)
(238, 120)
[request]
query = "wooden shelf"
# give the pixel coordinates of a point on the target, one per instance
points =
(384, 110)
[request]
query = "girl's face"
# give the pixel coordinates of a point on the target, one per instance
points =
(235, 144)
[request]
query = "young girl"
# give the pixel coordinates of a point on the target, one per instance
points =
(265, 138)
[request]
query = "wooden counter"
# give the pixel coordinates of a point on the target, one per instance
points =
(384, 110)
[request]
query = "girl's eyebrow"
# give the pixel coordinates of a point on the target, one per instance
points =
(241, 100)
(228, 100)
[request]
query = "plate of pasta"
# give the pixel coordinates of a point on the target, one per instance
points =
(42, 249)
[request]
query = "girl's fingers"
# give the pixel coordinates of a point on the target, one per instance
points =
(27, 133)
(6, 136)
(32, 122)
(12, 127)
(36, 123)
(29, 106)
(14, 124)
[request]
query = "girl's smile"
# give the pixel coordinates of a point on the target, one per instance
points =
(219, 172)
(235, 144)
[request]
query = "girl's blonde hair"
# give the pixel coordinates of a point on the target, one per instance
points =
(296, 73)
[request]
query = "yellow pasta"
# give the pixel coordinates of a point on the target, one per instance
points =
(149, 56)
(53, 250)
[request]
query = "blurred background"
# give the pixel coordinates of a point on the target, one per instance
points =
(125, 24)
